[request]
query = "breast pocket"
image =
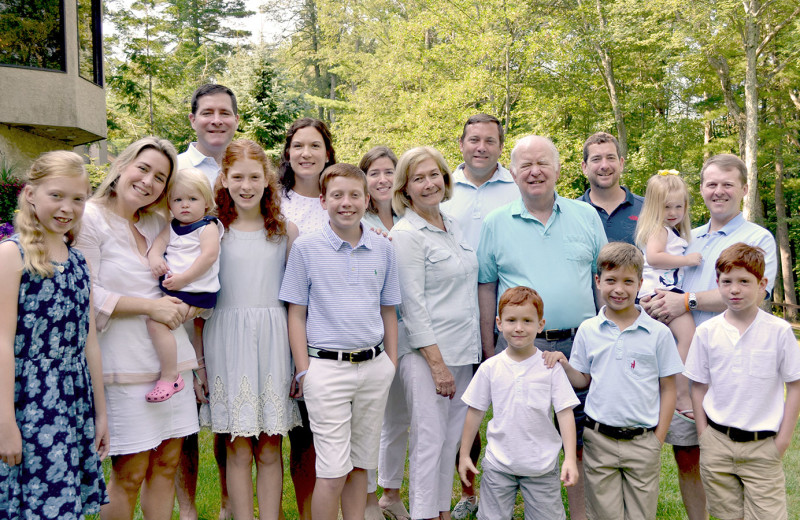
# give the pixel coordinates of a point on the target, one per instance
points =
(762, 364)
(640, 366)
(577, 248)
(439, 264)
(537, 397)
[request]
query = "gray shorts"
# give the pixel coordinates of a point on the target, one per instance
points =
(541, 495)
(682, 431)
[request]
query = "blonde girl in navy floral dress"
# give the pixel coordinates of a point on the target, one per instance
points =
(53, 428)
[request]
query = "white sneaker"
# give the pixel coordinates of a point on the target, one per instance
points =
(465, 508)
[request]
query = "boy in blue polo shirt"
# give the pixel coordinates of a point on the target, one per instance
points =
(341, 285)
(631, 361)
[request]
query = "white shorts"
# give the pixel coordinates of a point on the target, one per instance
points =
(134, 425)
(345, 404)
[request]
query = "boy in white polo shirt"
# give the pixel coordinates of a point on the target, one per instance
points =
(342, 287)
(631, 361)
(739, 362)
(522, 442)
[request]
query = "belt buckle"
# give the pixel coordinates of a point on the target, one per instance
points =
(547, 336)
(351, 358)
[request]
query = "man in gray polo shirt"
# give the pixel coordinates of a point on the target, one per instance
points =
(618, 208)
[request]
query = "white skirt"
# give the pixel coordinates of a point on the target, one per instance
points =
(134, 425)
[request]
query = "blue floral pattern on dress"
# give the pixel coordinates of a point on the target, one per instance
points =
(60, 475)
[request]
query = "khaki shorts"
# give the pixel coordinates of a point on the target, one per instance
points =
(742, 479)
(621, 476)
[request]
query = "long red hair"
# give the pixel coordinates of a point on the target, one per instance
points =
(274, 221)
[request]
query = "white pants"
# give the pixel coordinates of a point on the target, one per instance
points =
(436, 426)
(394, 437)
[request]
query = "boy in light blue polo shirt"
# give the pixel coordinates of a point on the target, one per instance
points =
(342, 287)
(631, 361)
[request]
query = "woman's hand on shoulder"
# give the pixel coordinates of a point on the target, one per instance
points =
(10, 443)
(167, 310)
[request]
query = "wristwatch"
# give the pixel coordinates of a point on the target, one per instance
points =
(692, 301)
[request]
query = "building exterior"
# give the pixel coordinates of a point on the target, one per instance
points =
(51, 77)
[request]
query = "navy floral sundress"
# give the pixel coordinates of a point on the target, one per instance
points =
(60, 475)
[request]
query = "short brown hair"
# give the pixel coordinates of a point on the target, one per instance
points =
(348, 171)
(375, 153)
(741, 255)
(600, 138)
(521, 295)
(484, 118)
(615, 255)
(726, 162)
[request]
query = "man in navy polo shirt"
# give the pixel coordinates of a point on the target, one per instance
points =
(617, 206)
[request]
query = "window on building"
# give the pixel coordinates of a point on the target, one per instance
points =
(90, 40)
(32, 34)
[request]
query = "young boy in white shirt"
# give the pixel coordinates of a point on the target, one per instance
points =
(631, 361)
(739, 362)
(522, 442)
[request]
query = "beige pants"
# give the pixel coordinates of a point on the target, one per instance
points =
(742, 479)
(621, 476)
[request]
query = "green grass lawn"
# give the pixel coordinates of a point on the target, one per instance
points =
(669, 500)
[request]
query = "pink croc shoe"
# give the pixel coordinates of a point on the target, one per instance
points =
(164, 390)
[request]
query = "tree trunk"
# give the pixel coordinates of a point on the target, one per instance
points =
(752, 205)
(782, 232)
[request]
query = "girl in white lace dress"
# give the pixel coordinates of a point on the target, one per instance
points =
(246, 341)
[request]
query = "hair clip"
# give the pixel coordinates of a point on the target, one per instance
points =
(668, 172)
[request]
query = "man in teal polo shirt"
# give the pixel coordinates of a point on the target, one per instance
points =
(546, 242)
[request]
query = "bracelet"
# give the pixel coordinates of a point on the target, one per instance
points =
(686, 301)
(299, 375)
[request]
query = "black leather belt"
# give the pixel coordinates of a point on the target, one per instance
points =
(558, 334)
(737, 435)
(354, 357)
(621, 434)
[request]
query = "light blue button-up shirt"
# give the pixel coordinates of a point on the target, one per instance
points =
(439, 283)
(625, 366)
(470, 204)
(710, 245)
(343, 287)
(557, 259)
(194, 158)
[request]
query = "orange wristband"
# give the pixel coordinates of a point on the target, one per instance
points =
(686, 301)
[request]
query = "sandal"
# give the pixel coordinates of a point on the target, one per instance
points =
(164, 390)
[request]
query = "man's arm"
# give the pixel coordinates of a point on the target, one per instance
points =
(665, 306)
(487, 305)
(667, 389)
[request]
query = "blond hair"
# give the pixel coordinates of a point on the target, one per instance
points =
(651, 219)
(108, 188)
(193, 178)
(405, 168)
(59, 163)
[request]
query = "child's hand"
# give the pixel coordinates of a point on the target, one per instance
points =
(551, 358)
(10, 443)
(465, 464)
(694, 259)
(158, 266)
(296, 388)
(101, 439)
(175, 282)
(569, 472)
